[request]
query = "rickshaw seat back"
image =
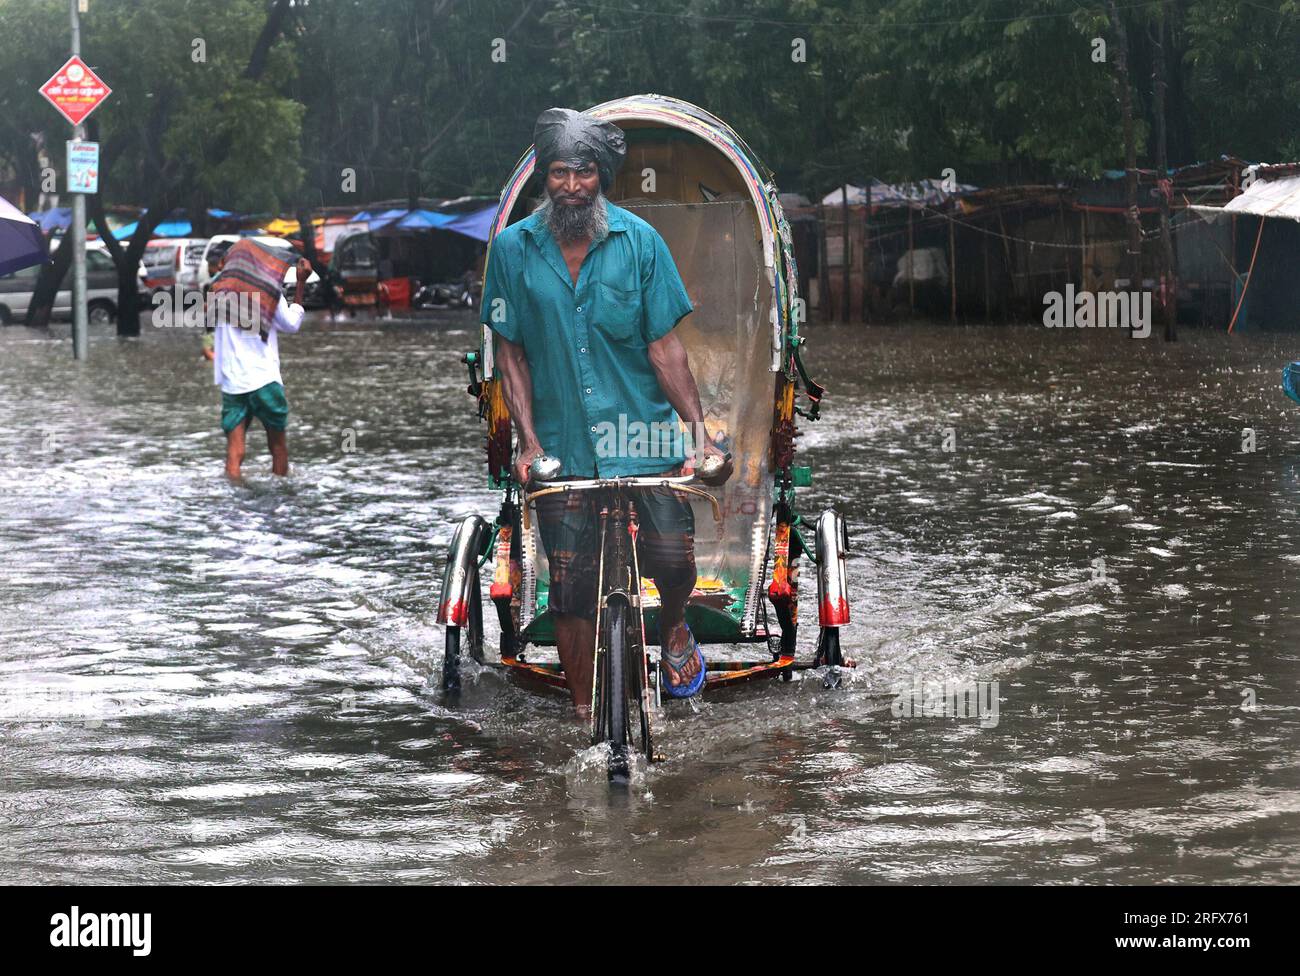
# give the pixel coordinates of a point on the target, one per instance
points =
(726, 337)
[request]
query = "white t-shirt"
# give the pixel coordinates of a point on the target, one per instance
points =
(242, 362)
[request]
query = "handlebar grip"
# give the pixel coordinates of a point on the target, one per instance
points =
(715, 470)
(544, 468)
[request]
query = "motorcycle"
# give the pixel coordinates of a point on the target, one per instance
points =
(456, 294)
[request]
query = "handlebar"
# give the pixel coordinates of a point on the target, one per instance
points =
(631, 481)
(679, 483)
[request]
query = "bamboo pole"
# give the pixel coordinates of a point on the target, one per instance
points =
(1083, 249)
(952, 268)
(988, 298)
(1006, 253)
(866, 255)
(911, 265)
(1168, 276)
(846, 302)
(823, 271)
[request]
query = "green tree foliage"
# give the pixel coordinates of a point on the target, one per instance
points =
(438, 97)
(33, 43)
(419, 98)
(1241, 65)
(182, 116)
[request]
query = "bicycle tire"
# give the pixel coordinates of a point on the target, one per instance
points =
(613, 696)
(451, 661)
(638, 685)
(473, 640)
(475, 625)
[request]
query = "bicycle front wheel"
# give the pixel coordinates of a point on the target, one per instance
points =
(611, 689)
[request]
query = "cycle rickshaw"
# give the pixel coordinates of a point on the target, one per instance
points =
(716, 206)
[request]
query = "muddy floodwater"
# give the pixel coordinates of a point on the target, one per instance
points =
(202, 682)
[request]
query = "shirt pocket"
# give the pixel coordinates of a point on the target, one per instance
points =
(617, 313)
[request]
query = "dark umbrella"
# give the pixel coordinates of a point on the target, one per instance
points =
(21, 241)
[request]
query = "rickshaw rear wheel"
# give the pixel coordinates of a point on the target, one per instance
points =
(451, 662)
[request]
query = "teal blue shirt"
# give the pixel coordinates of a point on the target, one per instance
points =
(597, 404)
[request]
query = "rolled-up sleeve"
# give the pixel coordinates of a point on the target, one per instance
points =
(664, 301)
(288, 318)
(498, 310)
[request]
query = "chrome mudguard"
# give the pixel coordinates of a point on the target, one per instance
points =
(460, 573)
(832, 583)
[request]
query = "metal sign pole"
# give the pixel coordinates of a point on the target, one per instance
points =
(78, 237)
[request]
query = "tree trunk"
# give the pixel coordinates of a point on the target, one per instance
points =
(200, 222)
(128, 293)
(309, 251)
(128, 308)
(265, 40)
(48, 281)
(1130, 148)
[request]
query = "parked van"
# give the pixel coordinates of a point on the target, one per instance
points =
(169, 261)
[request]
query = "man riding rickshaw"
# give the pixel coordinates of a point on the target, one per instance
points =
(638, 371)
(583, 298)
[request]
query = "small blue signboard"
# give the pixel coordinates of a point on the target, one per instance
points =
(83, 166)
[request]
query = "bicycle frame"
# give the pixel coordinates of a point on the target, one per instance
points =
(619, 574)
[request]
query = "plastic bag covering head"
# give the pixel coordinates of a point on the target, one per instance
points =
(576, 137)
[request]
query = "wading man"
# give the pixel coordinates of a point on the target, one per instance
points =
(583, 297)
(247, 302)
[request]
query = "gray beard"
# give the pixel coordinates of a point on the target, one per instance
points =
(568, 224)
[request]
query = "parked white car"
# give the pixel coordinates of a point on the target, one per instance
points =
(16, 290)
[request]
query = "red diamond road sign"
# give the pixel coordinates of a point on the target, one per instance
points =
(75, 90)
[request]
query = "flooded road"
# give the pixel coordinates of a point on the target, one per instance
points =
(202, 682)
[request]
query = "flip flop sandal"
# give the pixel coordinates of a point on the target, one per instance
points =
(671, 662)
(1291, 381)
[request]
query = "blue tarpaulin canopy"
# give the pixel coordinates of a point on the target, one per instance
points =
(377, 219)
(475, 224)
(168, 228)
(471, 223)
(57, 218)
(421, 219)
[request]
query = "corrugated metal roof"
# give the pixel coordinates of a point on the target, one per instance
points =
(923, 193)
(1263, 198)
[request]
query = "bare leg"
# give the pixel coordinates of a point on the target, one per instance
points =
(278, 444)
(672, 624)
(670, 560)
(575, 639)
(235, 452)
